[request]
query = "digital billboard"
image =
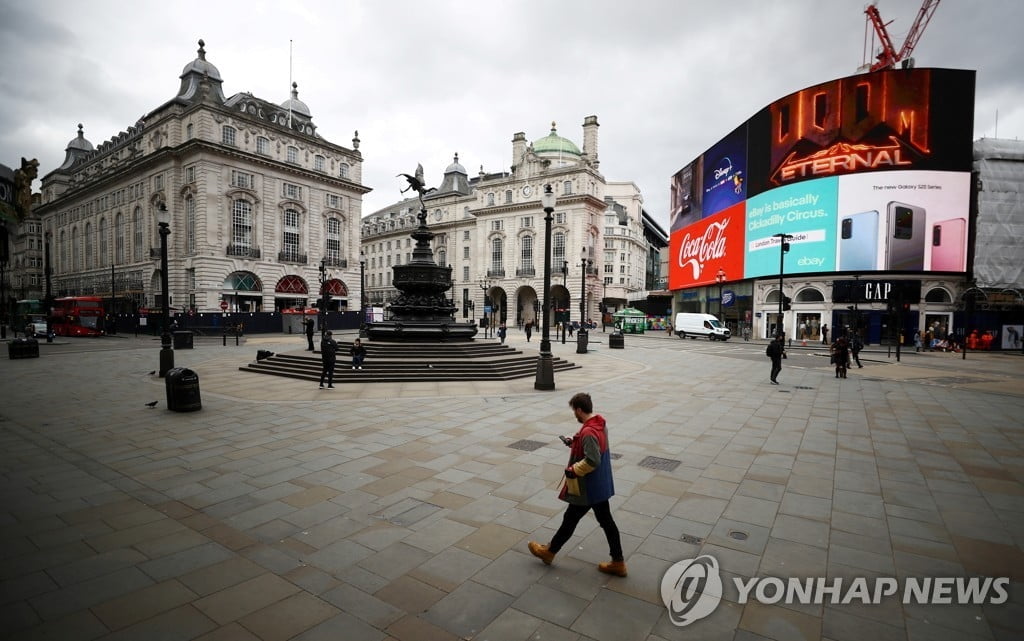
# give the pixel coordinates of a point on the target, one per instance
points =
(866, 173)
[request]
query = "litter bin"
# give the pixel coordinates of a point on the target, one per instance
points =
(616, 341)
(582, 339)
(183, 340)
(182, 390)
(23, 348)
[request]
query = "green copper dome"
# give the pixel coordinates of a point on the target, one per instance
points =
(553, 143)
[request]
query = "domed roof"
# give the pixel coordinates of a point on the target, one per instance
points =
(79, 142)
(553, 143)
(201, 66)
(295, 105)
(455, 167)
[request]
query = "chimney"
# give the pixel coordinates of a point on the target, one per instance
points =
(518, 148)
(590, 140)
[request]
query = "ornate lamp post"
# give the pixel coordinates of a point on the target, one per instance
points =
(582, 335)
(324, 297)
(565, 275)
(485, 285)
(720, 278)
(362, 294)
(48, 303)
(545, 379)
(163, 220)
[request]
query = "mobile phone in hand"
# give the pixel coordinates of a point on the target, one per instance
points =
(565, 440)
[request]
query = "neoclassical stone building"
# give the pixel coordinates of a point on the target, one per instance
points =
(490, 230)
(258, 201)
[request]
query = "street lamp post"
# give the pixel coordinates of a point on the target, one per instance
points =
(565, 275)
(322, 312)
(362, 295)
(163, 219)
(720, 278)
(485, 285)
(545, 379)
(783, 248)
(582, 335)
(48, 303)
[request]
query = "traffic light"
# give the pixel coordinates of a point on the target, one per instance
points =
(786, 300)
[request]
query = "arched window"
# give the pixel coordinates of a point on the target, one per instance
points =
(526, 256)
(103, 241)
(558, 248)
(88, 246)
(190, 225)
(333, 253)
(938, 295)
(241, 225)
(76, 265)
(442, 258)
(810, 295)
(119, 238)
(497, 261)
(137, 230)
(290, 237)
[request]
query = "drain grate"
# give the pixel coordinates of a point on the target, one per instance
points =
(693, 540)
(527, 445)
(739, 536)
(803, 387)
(663, 464)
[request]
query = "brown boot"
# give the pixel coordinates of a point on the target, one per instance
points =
(616, 568)
(541, 552)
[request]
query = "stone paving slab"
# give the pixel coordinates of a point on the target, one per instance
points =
(400, 511)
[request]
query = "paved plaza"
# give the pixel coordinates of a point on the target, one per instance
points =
(402, 511)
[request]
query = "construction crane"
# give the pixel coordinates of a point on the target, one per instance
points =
(888, 57)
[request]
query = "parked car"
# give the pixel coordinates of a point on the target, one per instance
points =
(38, 324)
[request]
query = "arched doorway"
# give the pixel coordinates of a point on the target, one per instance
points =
(337, 294)
(527, 306)
(243, 292)
(291, 292)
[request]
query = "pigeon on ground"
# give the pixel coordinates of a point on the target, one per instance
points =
(152, 404)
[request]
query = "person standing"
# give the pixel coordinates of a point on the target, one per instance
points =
(855, 346)
(588, 485)
(824, 334)
(776, 351)
(309, 333)
(502, 332)
(358, 353)
(841, 356)
(328, 356)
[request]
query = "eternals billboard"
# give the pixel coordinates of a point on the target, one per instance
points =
(866, 173)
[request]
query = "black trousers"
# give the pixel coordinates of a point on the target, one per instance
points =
(776, 366)
(327, 372)
(309, 339)
(603, 513)
(856, 357)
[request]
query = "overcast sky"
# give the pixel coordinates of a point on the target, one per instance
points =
(422, 80)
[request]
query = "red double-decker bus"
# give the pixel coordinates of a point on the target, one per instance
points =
(77, 316)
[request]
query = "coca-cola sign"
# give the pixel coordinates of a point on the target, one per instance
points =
(700, 250)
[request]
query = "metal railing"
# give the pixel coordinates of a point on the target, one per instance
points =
(526, 271)
(291, 257)
(244, 251)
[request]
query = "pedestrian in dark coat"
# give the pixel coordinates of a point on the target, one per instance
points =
(328, 357)
(855, 346)
(528, 328)
(841, 356)
(309, 333)
(587, 486)
(776, 351)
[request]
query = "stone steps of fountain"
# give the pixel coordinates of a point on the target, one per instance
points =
(390, 363)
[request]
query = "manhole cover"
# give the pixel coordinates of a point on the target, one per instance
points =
(739, 536)
(656, 463)
(694, 540)
(527, 445)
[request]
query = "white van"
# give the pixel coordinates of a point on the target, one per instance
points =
(694, 325)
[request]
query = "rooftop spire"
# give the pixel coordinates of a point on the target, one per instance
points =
(202, 51)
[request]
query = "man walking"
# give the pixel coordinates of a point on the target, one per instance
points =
(824, 334)
(309, 333)
(328, 356)
(855, 346)
(588, 486)
(776, 351)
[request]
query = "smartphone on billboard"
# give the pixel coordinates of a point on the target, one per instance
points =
(949, 241)
(905, 241)
(858, 242)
